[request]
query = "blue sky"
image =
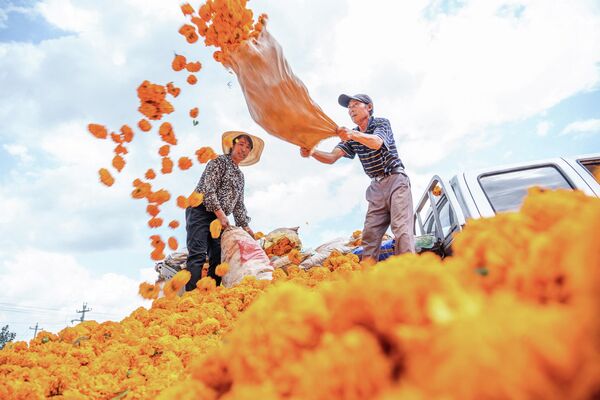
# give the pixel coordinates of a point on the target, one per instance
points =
(465, 84)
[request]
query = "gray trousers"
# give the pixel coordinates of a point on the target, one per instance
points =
(390, 203)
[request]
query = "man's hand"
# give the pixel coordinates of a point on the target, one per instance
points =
(304, 152)
(345, 134)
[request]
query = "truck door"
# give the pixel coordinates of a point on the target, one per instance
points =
(438, 214)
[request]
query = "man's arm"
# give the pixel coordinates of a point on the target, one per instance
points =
(326, 157)
(371, 141)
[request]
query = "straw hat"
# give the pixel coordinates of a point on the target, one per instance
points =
(257, 146)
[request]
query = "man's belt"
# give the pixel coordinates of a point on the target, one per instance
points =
(397, 170)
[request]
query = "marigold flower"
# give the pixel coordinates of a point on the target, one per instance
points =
(172, 243)
(105, 177)
(120, 149)
(148, 290)
(163, 151)
(258, 235)
(436, 191)
(159, 197)
(179, 62)
(191, 79)
(172, 90)
(144, 125)
(127, 133)
(182, 202)
(174, 224)
(167, 165)
(187, 9)
(194, 112)
(167, 134)
(157, 255)
(118, 162)
(152, 209)
(155, 222)
(189, 32)
(222, 269)
(215, 228)
(205, 154)
(193, 66)
(98, 131)
(150, 174)
(184, 163)
(116, 138)
(176, 283)
(195, 199)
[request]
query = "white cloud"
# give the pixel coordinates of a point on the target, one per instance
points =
(585, 127)
(66, 16)
(19, 151)
(542, 128)
(57, 282)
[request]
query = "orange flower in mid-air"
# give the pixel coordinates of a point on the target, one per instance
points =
(192, 80)
(182, 202)
(142, 189)
(116, 138)
(179, 62)
(194, 112)
(215, 228)
(118, 162)
(150, 174)
(127, 133)
(186, 9)
(195, 199)
(222, 269)
(184, 163)
(172, 90)
(167, 165)
(98, 130)
(155, 222)
(167, 134)
(193, 66)
(144, 125)
(120, 149)
(173, 243)
(436, 191)
(105, 177)
(189, 32)
(205, 154)
(152, 209)
(174, 224)
(149, 291)
(163, 151)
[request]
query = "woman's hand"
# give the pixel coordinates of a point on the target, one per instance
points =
(222, 219)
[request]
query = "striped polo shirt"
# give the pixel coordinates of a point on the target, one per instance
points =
(375, 162)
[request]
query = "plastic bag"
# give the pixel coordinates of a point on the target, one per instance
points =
(323, 251)
(277, 100)
(281, 241)
(244, 256)
(385, 251)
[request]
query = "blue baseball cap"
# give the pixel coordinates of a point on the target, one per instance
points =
(344, 100)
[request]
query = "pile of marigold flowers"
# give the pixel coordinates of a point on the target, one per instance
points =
(513, 314)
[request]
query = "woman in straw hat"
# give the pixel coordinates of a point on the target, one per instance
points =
(222, 184)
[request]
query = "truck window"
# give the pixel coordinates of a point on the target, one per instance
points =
(461, 199)
(506, 190)
(593, 166)
(447, 218)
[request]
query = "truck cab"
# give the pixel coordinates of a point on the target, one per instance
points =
(447, 204)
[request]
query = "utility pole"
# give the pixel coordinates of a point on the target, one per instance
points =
(35, 330)
(82, 312)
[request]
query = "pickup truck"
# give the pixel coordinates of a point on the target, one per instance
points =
(446, 205)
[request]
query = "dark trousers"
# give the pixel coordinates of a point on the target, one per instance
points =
(201, 245)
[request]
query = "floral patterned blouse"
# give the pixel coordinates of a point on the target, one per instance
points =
(222, 183)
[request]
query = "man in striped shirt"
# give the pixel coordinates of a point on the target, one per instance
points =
(389, 196)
